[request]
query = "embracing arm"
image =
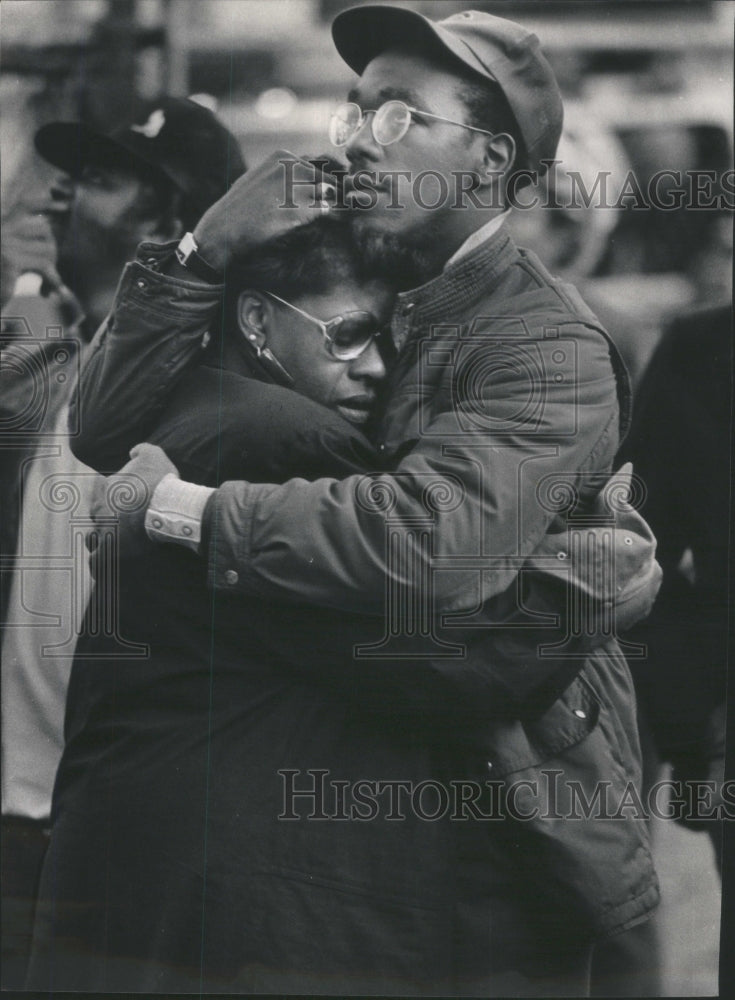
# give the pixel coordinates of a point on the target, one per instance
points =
(501, 671)
(152, 336)
(162, 314)
(476, 498)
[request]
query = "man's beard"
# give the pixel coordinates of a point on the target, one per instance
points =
(407, 259)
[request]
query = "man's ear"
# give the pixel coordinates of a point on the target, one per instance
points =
(498, 156)
(253, 318)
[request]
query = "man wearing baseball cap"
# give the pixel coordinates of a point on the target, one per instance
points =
(150, 179)
(507, 389)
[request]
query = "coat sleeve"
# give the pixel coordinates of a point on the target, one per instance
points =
(458, 517)
(154, 333)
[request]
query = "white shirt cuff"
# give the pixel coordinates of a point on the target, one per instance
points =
(175, 512)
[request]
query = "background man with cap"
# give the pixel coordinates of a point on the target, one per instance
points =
(151, 179)
(504, 383)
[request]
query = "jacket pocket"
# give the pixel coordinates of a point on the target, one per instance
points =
(518, 745)
(570, 783)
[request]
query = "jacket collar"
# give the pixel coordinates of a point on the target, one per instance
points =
(454, 290)
(479, 236)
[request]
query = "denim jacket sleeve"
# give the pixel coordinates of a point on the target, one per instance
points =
(154, 333)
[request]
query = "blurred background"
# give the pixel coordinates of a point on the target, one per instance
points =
(648, 87)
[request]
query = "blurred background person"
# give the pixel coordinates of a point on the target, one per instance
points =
(680, 444)
(151, 180)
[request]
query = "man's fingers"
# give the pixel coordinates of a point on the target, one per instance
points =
(297, 180)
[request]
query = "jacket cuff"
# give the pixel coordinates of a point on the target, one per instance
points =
(147, 272)
(229, 529)
(158, 257)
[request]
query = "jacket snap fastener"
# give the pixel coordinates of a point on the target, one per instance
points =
(489, 765)
(140, 284)
(628, 540)
(580, 713)
(231, 576)
(561, 555)
(157, 522)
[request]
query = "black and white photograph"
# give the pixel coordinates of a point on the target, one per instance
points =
(366, 519)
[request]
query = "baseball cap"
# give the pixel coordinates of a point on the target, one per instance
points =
(493, 47)
(177, 137)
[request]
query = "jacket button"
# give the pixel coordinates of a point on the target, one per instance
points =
(580, 713)
(157, 522)
(140, 283)
(489, 765)
(231, 576)
(187, 530)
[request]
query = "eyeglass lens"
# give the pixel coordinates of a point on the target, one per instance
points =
(344, 123)
(352, 335)
(390, 123)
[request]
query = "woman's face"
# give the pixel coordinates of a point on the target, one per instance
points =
(346, 386)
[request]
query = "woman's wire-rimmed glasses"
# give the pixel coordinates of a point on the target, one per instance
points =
(347, 336)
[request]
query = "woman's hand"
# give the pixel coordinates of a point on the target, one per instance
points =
(285, 191)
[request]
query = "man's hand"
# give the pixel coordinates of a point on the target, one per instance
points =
(122, 500)
(283, 192)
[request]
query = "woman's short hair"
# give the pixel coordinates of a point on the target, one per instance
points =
(307, 259)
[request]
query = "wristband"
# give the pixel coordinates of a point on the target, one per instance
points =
(187, 254)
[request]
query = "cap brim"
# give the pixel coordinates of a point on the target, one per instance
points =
(71, 146)
(362, 33)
